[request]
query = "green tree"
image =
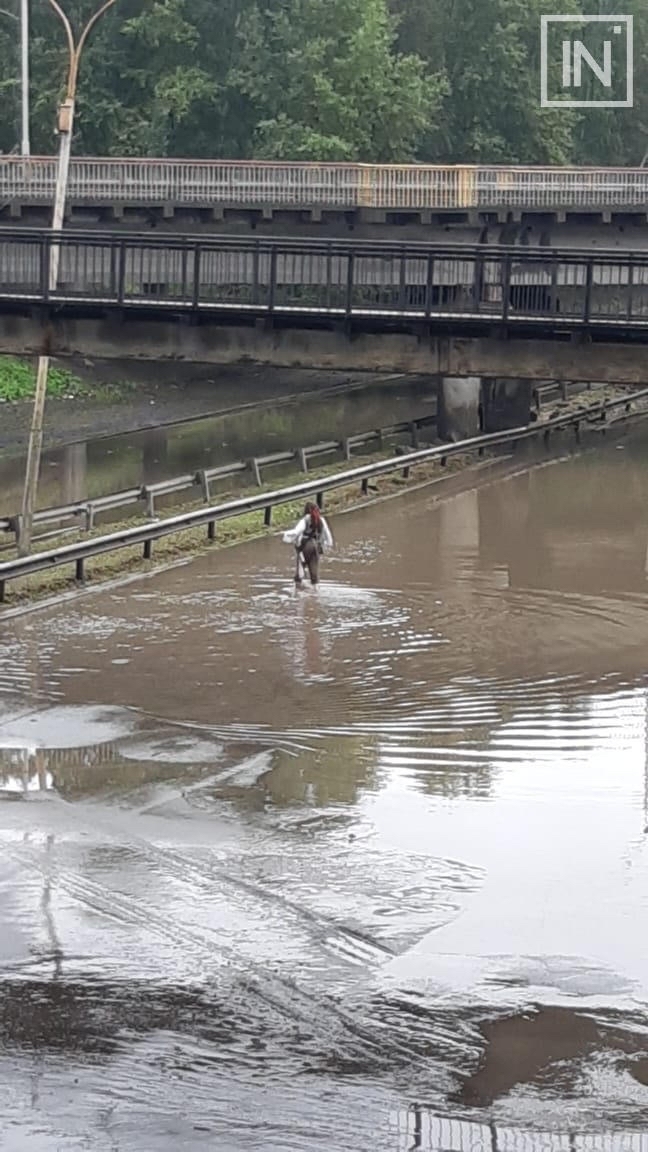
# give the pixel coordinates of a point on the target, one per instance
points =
(490, 52)
(323, 81)
(619, 136)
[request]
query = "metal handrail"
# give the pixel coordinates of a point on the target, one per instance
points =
(78, 553)
(362, 284)
(314, 184)
(410, 248)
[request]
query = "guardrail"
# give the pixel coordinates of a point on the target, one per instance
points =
(144, 182)
(145, 535)
(88, 510)
(249, 278)
(420, 1128)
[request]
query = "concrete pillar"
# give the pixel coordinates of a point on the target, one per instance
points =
(459, 407)
(506, 404)
(75, 467)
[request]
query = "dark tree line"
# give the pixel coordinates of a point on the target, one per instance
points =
(372, 80)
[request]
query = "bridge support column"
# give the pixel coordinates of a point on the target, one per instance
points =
(459, 407)
(506, 404)
(75, 465)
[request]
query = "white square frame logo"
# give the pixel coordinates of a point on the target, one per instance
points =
(545, 21)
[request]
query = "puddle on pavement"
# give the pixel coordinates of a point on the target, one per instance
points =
(360, 868)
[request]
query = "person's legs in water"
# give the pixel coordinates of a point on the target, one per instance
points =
(299, 566)
(310, 552)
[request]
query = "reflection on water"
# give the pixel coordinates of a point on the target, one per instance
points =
(24, 770)
(363, 867)
(87, 470)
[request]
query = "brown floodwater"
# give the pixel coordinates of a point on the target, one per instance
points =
(361, 868)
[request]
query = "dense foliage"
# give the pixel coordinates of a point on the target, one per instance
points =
(391, 80)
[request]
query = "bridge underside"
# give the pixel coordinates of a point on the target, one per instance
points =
(602, 356)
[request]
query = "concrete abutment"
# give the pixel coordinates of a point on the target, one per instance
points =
(126, 336)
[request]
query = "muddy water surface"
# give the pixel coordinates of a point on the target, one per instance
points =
(362, 868)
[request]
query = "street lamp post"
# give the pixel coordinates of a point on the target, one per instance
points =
(65, 128)
(24, 71)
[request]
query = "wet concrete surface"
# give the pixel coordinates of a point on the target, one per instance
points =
(105, 464)
(357, 868)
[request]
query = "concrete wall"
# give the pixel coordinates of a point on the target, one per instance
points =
(112, 337)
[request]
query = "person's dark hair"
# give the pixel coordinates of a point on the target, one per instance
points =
(313, 511)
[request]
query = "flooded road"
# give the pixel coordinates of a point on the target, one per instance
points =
(357, 869)
(88, 469)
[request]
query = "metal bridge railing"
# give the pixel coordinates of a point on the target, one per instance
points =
(310, 278)
(97, 180)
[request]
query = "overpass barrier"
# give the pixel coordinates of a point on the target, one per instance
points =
(144, 535)
(253, 183)
(326, 277)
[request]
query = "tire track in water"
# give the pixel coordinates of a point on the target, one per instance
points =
(341, 938)
(347, 1036)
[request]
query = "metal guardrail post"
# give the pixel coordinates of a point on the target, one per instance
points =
(195, 297)
(272, 288)
(255, 275)
(402, 282)
(121, 284)
(506, 289)
(429, 286)
(589, 272)
(348, 308)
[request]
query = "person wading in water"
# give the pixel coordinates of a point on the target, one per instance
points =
(310, 537)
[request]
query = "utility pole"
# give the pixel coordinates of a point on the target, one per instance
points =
(65, 129)
(24, 69)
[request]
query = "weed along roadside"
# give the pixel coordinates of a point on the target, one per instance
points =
(96, 557)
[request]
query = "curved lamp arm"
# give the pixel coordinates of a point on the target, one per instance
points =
(70, 39)
(76, 50)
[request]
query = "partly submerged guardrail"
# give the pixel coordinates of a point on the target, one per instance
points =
(146, 534)
(201, 481)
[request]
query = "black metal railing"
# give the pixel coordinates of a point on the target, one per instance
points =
(314, 279)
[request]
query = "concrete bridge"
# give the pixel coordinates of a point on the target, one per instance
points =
(458, 311)
(515, 204)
